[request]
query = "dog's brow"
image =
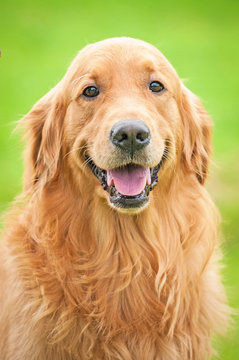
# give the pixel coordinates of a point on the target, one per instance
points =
(148, 65)
(75, 82)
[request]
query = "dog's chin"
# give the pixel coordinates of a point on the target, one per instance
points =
(129, 204)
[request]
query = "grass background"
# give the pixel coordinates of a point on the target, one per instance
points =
(38, 40)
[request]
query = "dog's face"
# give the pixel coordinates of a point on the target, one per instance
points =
(122, 117)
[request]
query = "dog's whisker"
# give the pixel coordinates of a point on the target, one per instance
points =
(168, 156)
(74, 150)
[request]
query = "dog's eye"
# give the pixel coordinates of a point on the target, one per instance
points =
(156, 86)
(91, 91)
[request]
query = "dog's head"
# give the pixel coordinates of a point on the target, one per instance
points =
(123, 120)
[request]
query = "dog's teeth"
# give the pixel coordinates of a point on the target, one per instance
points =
(148, 177)
(110, 180)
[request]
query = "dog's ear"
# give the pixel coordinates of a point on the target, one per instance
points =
(43, 129)
(197, 131)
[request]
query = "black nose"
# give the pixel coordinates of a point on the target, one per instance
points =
(130, 135)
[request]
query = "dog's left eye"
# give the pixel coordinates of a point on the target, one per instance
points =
(156, 86)
(91, 91)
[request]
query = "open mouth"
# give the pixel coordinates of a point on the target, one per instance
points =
(128, 186)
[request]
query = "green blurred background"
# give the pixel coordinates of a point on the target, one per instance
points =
(38, 40)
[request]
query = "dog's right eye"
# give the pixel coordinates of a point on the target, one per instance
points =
(156, 86)
(91, 91)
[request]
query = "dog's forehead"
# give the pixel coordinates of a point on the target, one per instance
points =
(124, 51)
(118, 53)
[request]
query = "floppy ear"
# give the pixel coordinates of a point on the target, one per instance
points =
(197, 131)
(44, 126)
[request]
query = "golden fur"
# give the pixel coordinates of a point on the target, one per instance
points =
(81, 280)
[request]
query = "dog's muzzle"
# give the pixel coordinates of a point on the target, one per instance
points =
(129, 185)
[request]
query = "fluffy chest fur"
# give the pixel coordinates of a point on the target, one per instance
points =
(142, 286)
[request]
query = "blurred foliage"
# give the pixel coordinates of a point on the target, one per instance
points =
(38, 40)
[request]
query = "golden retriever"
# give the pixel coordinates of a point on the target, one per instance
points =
(111, 252)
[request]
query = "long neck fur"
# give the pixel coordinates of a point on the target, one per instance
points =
(122, 273)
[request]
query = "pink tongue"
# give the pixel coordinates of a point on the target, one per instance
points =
(129, 180)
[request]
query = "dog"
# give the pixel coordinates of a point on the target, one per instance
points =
(111, 250)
